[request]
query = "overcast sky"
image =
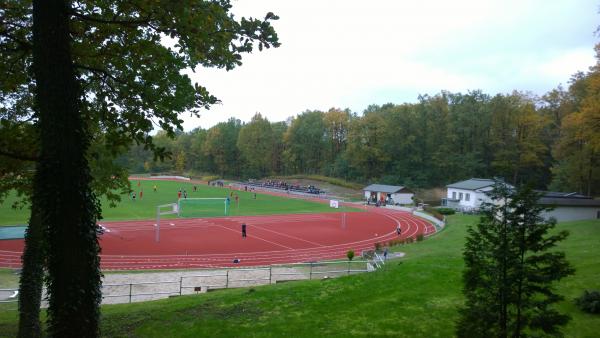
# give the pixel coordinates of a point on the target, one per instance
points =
(350, 53)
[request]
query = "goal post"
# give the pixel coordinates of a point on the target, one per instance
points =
(203, 207)
(165, 209)
(336, 204)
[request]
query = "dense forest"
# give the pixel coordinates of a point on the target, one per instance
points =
(550, 141)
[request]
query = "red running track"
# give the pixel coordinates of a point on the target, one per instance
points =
(215, 242)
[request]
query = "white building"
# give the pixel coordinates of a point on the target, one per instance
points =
(469, 194)
(570, 206)
(391, 194)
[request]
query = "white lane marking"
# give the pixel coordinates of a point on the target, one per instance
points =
(289, 236)
(254, 236)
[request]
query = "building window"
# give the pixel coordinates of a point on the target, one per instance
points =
(454, 195)
(467, 197)
(460, 196)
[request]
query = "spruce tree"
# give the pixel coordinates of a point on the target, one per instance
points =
(511, 267)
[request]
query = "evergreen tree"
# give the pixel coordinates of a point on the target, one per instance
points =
(510, 269)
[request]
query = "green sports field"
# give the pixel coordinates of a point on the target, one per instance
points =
(145, 208)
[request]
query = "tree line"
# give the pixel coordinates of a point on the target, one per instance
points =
(83, 80)
(551, 142)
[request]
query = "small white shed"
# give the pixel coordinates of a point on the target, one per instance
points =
(391, 194)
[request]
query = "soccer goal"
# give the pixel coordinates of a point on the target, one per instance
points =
(165, 209)
(203, 207)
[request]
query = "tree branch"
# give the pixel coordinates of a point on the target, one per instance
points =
(18, 156)
(128, 23)
(24, 45)
(102, 71)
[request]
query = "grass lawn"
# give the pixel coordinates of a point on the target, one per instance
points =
(8, 279)
(414, 297)
(145, 208)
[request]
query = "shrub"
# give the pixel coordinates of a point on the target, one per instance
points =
(420, 237)
(589, 302)
(377, 246)
(350, 254)
(446, 211)
(368, 254)
(434, 213)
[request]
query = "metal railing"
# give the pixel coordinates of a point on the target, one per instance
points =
(230, 278)
(378, 260)
(114, 293)
(9, 295)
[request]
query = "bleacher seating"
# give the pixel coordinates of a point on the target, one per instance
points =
(285, 186)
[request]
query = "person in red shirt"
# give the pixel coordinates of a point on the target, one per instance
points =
(179, 195)
(141, 193)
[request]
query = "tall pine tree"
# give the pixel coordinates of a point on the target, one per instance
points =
(510, 269)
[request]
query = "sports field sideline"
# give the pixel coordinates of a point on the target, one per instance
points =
(301, 231)
(167, 192)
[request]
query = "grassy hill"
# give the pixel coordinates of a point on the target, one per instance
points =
(145, 208)
(415, 297)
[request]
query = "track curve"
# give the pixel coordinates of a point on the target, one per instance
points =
(216, 242)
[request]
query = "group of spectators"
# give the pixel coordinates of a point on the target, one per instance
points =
(380, 202)
(283, 185)
(217, 183)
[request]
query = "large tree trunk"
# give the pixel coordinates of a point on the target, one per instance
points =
(68, 207)
(30, 288)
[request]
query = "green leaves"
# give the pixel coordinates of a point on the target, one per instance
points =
(255, 143)
(511, 266)
(132, 80)
(107, 76)
(305, 142)
(578, 146)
